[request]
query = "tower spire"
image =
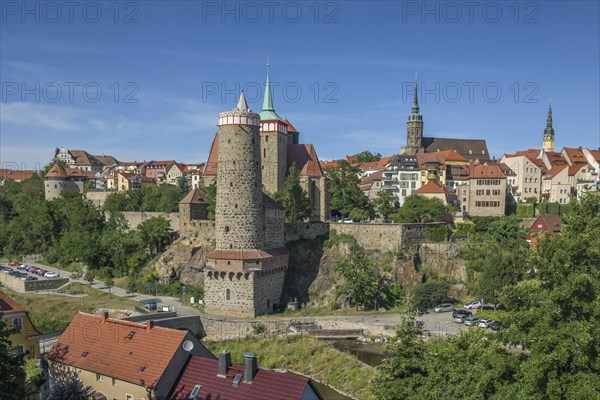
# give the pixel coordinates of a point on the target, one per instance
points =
(242, 104)
(268, 110)
(548, 144)
(415, 107)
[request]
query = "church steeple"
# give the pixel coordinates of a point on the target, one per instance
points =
(268, 112)
(549, 132)
(414, 127)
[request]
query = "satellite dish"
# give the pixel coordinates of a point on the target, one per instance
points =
(188, 346)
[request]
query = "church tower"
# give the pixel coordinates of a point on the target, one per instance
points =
(244, 275)
(273, 144)
(549, 132)
(414, 128)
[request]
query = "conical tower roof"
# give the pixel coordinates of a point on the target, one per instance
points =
(268, 112)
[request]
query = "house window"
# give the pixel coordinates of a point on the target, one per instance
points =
(17, 324)
(99, 378)
(20, 349)
(128, 397)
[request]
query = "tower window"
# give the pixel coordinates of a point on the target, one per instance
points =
(226, 229)
(264, 153)
(228, 294)
(266, 138)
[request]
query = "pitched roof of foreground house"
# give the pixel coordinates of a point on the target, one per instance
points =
(195, 196)
(431, 187)
(266, 385)
(128, 351)
(15, 175)
(8, 305)
(478, 171)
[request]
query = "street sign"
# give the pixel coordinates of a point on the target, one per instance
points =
(183, 289)
(149, 284)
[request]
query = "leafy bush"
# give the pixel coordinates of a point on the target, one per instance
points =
(525, 210)
(438, 233)
(430, 294)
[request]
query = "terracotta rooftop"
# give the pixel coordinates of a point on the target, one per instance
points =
(251, 254)
(431, 187)
(290, 126)
(117, 348)
(106, 160)
(478, 171)
(213, 157)
(552, 172)
(383, 161)
(328, 164)
(15, 175)
(368, 166)
(8, 305)
(575, 155)
(451, 155)
(506, 170)
(57, 171)
(437, 157)
(552, 222)
(305, 157)
(266, 385)
(595, 154)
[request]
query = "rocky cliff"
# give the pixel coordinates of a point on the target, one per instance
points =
(184, 260)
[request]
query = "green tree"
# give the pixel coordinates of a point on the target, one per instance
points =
(361, 283)
(403, 373)
(430, 294)
(344, 188)
(155, 233)
(419, 209)
(386, 204)
(556, 315)
(70, 390)
(295, 200)
(366, 156)
(358, 214)
(508, 232)
(466, 230)
(210, 192)
(12, 373)
(183, 184)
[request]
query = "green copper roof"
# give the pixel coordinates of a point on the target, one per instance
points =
(268, 111)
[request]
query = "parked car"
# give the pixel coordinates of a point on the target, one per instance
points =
(485, 308)
(422, 310)
(29, 268)
(444, 307)
(460, 318)
(484, 323)
(40, 272)
(464, 313)
(500, 306)
(473, 305)
(13, 264)
(495, 325)
(22, 267)
(50, 274)
(471, 321)
(6, 270)
(30, 278)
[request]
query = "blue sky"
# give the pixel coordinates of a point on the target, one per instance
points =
(344, 69)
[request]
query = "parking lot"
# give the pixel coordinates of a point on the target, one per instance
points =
(26, 272)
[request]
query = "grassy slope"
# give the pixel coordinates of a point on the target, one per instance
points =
(52, 312)
(306, 356)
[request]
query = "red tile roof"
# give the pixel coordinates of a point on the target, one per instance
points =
(575, 155)
(266, 385)
(595, 154)
(437, 157)
(552, 172)
(8, 305)
(367, 182)
(431, 187)
(195, 196)
(451, 155)
(574, 169)
(251, 254)
(57, 171)
(383, 161)
(112, 352)
(290, 126)
(213, 157)
(305, 157)
(15, 175)
(329, 164)
(368, 166)
(478, 171)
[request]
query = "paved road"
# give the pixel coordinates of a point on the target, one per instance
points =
(171, 301)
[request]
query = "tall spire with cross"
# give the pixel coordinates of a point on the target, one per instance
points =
(415, 107)
(268, 111)
(414, 127)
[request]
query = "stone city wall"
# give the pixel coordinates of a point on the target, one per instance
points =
(32, 286)
(135, 218)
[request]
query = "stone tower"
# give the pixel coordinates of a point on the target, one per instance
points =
(549, 132)
(273, 144)
(244, 274)
(414, 129)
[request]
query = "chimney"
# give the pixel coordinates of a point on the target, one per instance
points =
(149, 324)
(224, 363)
(104, 315)
(250, 367)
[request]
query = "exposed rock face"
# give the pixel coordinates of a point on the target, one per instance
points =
(444, 258)
(184, 260)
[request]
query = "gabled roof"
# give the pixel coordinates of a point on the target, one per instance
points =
(367, 182)
(57, 171)
(551, 223)
(195, 196)
(106, 160)
(574, 169)
(437, 157)
(383, 161)
(595, 154)
(82, 157)
(471, 149)
(451, 155)
(368, 166)
(8, 305)
(266, 385)
(489, 171)
(305, 157)
(117, 348)
(506, 169)
(213, 157)
(431, 187)
(552, 172)
(160, 162)
(555, 158)
(575, 155)
(329, 164)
